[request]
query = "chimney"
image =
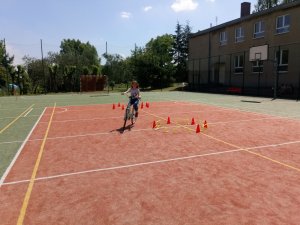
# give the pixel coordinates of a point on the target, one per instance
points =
(245, 9)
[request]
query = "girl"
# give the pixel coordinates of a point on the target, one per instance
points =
(134, 96)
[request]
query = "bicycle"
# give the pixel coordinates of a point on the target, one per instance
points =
(129, 113)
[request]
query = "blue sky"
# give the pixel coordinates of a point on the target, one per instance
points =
(122, 23)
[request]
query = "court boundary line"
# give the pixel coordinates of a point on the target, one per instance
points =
(11, 117)
(25, 203)
(16, 119)
(246, 109)
(20, 150)
(154, 162)
(237, 147)
(228, 106)
(138, 130)
(88, 134)
(28, 112)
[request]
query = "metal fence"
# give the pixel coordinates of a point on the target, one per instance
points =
(278, 76)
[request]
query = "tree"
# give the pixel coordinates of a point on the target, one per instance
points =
(69, 78)
(114, 67)
(22, 79)
(180, 50)
(75, 53)
(80, 53)
(153, 65)
(6, 66)
(35, 72)
(95, 70)
(267, 4)
(53, 71)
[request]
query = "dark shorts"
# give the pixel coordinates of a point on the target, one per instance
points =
(135, 103)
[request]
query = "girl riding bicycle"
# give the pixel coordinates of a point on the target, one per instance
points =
(134, 96)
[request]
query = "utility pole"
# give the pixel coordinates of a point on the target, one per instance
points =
(43, 66)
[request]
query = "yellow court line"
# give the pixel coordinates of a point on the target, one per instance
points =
(238, 147)
(18, 117)
(273, 160)
(34, 172)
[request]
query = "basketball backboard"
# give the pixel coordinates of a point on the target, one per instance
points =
(258, 53)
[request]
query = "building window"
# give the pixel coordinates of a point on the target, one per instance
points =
(283, 24)
(257, 66)
(259, 29)
(239, 64)
(239, 34)
(223, 38)
(282, 58)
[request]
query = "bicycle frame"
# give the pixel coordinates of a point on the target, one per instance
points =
(129, 114)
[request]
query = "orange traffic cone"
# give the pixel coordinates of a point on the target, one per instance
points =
(198, 129)
(205, 124)
(193, 121)
(142, 105)
(123, 107)
(147, 104)
(169, 120)
(114, 106)
(119, 104)
(154, 124)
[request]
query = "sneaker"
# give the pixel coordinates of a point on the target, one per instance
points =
(136, 114)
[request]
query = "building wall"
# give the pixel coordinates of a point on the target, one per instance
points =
(218, 66)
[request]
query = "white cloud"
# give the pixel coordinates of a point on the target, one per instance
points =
(184, 5)
(18, 55)
(147, 8)
(210, 0)
(125, 15)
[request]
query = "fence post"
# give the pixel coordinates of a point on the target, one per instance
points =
(243, 86)
(298, 88)
(230, 69)
(193, 74)
(199, 75)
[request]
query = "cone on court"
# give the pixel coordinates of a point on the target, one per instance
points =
(142, 105)
(119, 104)
(154, 124)
(147, 104)
(193, 121)
(114, 106)
(205, 124)
(123, 107)
(198, 129)
(169, 120)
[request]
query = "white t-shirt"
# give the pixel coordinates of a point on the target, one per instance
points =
(134, 92)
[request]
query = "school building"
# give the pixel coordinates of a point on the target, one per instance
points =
(256, 54)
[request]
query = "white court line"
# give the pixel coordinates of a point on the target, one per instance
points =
(19, 151)
(152, 162)
(96, 118)
(28, 112)
(9, 142)
(244, 109)
(138, 130)
(64, 110)
(141, 112)
(114, 132)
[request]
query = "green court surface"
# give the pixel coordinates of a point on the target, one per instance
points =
(18, 116)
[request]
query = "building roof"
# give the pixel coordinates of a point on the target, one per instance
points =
(296, 3)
